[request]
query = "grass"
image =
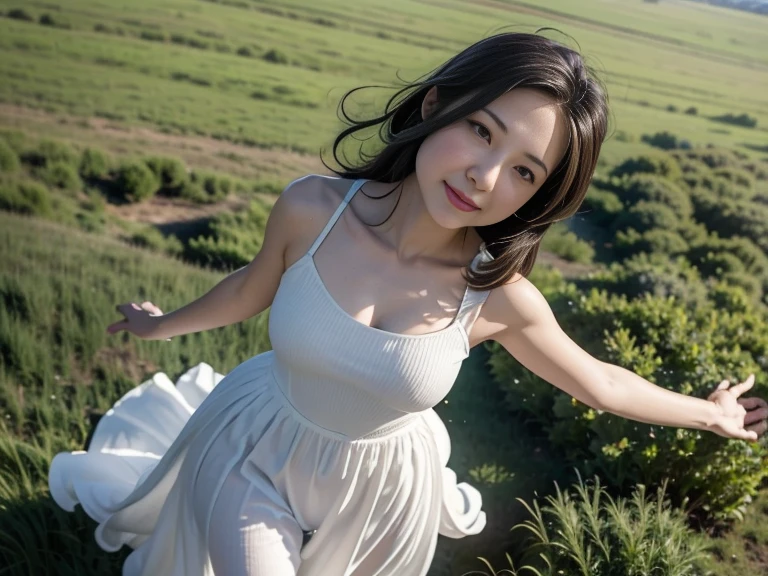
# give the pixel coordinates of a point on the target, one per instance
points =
(251, 87)
(329, 46)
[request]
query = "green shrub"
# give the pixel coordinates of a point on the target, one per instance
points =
(737, 119)
(192, 191)
(275, 56)
(136, 182)
(235, 238)
(20, 14)
(561, 241)
(152, 239)
(647, 215)
(25, 198)
(688, 349)
(600, 207)
(665, 165)
(630, 242)
(650, 273)
(61, 175)
(49, 151)
(94, 164)
(171, 172)
(692, 111)
(652, 188)
(592, 534)
(9, 160)
(664, 140)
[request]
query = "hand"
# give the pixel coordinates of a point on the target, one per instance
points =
(734, 420)
(140, 320)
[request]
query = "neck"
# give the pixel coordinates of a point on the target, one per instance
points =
(414, 234)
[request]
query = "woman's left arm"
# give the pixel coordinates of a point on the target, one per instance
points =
(533, 336)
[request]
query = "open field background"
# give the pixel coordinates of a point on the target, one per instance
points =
(249, 88)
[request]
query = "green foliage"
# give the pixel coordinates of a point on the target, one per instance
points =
(662, 165)
(9, 160)
(688, 349)
(664, 140)
(275, 56)
(737, 119)
(645, 215)
(657, 240)
(151, 238)
(62, 175)
(25, 197)
(48, 151)
(94, 164)
(561, 241)
(650, 273)
(136, 182)
(589, 533)
(653, 188)
(601, 206)
(171, 172)
(20, 14)
(236, 238)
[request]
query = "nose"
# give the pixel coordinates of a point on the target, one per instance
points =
(484, 173)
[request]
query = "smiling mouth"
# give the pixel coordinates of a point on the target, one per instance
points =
(459, 200)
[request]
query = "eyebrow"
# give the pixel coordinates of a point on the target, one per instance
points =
(504, 129)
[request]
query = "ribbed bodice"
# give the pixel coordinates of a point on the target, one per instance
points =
(351, 378)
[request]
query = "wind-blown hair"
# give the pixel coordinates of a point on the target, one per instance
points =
(467, 82)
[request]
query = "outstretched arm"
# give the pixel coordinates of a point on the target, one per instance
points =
(533, 336)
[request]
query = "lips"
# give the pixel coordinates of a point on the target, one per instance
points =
(460, 200)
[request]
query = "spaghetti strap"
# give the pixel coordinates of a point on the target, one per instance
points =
(356, 185)
(473, 300)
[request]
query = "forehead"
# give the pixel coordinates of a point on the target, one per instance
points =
(534, 120)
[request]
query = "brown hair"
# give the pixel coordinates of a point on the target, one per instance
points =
(470, 80)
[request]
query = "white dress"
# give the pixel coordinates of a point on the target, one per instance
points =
(331, 432)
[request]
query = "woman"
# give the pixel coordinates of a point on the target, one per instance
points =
(376, 298)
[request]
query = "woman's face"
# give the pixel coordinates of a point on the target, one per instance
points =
(497, 158)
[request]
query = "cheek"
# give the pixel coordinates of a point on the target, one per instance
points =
(442, 151)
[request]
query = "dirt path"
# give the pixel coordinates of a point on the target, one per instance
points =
(197, 151)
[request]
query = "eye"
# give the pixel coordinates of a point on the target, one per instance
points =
(480, 130)
(526, 174)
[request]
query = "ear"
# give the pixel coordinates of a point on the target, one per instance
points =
(429, 103)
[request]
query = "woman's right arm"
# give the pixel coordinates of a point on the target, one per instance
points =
(240, 295)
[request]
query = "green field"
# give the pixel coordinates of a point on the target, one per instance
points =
(202, 68)
(249, 89)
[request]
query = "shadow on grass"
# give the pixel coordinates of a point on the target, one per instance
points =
(493, 451)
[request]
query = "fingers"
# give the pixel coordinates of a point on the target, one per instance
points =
(723, 385)
(755, 415)
(752, 403)
(117, 326)
(739, 389)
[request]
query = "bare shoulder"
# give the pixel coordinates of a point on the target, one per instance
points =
(303, 209)
(513, 306)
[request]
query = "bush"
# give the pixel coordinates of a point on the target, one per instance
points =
(692, 111)
(9, 160)
(49, 151)
(48, 20)
(737, 120)
(651, 273)
(559, 240)
(665, 166)
(94, 164)
(593, 534)
(631, 242)
(652, 188)
(275, 56)
(647, 215)
(171, 172)
(20, 14)
(688, 350)
(152, 239)
(664, 140)
(136, 182)
(25, 198)
(600, 207)
(235, 238)
(61, 175)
